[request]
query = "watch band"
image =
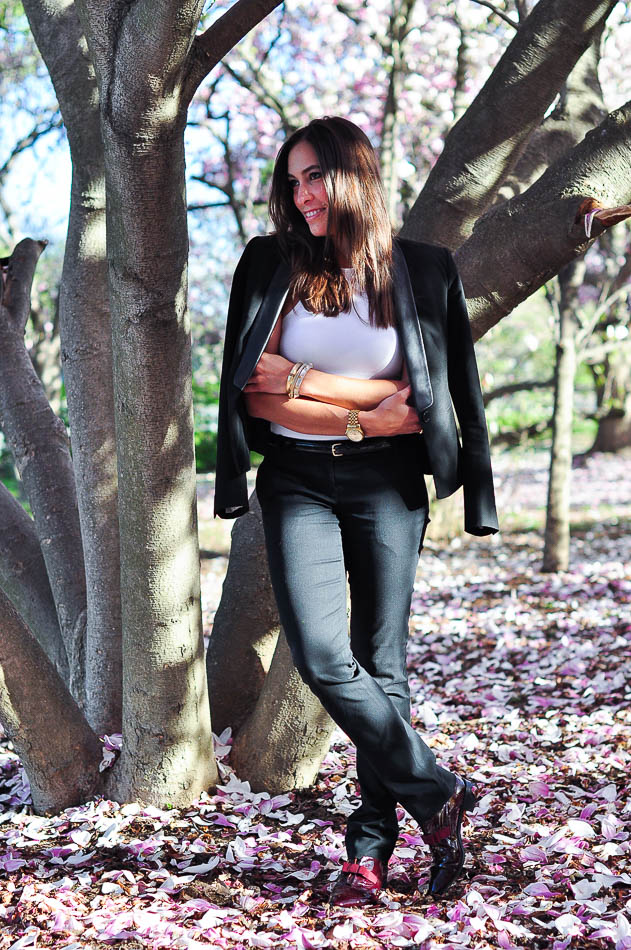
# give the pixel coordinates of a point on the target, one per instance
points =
(354, 430)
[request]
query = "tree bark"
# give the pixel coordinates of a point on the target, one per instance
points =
(38, 441)
(556, 553)
(167, 742)
(515, 248)
(59, 751)
(283, 743)
(24, 580)
(484, 145)
(614, 430)
(246, 627)
(580, 108)
(87, 353)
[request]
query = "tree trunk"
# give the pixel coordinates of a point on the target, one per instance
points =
(59, 751)
(24, 580)
(483, 147)
(246, 627)
(614, 430)
(556, 554)
(45, 355)
(87, 353)
(167, 742)
(283, 743)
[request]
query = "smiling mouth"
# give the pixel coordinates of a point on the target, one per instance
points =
(312, 214)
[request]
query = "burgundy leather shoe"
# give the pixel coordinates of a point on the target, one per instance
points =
(358, 882)
(442, 834)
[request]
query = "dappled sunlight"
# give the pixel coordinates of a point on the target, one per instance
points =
(92, 237)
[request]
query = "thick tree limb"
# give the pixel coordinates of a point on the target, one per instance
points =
(86, 351)
(38, 441)
(484, 145)
(288, 734)
(59, 751)
(140, 50)
(579, 109)
(521, 244)
(24, 580)
(245, 629)
(211, 46)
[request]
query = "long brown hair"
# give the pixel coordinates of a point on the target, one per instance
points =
(357, 222)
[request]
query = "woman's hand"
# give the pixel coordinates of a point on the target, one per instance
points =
(393, 416)
(270, 375)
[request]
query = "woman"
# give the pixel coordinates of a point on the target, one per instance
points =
(346, 389)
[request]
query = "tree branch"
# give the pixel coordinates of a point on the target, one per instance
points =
(484, 145)
(518, 246)
(211, 46)
(263, 95)
(24, 580)
(498, 12)
(42, 128)
(510, 388)
(39, 443)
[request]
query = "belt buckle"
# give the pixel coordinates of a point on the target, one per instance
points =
(337, 445)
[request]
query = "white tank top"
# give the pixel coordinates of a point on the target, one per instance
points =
(346, 345)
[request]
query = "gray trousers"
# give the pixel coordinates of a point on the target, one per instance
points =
(365, 515)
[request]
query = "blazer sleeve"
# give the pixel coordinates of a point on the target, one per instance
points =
(233, 457)
(480, 515)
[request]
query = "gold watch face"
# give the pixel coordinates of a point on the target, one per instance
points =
(355, 434)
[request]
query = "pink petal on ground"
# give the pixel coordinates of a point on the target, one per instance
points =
(533, 853)
(539, 890)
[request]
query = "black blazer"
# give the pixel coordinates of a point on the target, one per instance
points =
(436, 339)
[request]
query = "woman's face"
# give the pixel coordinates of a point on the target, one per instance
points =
(305, 179)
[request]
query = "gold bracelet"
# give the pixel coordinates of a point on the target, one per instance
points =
(289, 385)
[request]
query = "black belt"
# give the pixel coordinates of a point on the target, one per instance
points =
(325, 447)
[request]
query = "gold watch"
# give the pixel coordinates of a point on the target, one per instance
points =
(353, 429)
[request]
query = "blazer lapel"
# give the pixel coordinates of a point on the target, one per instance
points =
(261, 326)
(410, 333)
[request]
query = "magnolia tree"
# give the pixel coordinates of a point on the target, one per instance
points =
(99, 590)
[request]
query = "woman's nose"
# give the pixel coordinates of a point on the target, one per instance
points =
(303, 192)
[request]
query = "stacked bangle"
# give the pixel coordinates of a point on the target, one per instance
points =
(296, 377)
(289, 385)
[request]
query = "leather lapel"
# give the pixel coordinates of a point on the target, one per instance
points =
(263, 324)
(410, 333)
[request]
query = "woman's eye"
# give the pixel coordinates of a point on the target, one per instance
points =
(315, 175)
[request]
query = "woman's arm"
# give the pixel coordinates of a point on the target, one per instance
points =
(393, 416)
(270, 376)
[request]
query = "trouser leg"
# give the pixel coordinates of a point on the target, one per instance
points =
(301, 498)
(381, 579)
(382, 534)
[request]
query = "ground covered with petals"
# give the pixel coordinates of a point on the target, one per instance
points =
(520, 680)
